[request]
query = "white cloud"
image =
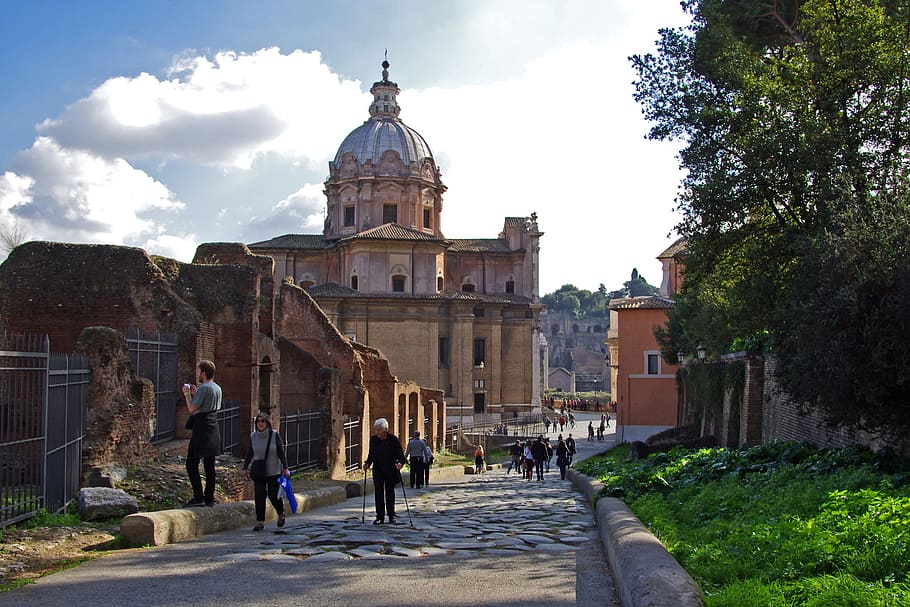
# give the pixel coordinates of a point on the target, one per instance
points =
(73, 196)
(225, 111)
(302, 211)
(182, 248)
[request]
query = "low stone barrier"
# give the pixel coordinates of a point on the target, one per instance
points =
(646, 575)
(179, 525)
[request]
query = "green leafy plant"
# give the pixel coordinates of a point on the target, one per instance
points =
(783, 523)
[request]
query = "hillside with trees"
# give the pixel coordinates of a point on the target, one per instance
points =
(581, 303)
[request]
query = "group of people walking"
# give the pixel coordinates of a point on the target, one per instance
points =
(267, 461)
(534, 457)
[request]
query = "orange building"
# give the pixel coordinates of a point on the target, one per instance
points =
(643, 384)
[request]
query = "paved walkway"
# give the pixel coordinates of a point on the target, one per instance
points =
(491, 539)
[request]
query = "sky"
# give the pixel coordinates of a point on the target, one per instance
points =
(165, 124)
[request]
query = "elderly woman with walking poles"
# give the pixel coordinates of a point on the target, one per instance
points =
(386, 457)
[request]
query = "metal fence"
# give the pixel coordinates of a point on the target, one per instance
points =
(353, 449)
(229, 426)
(493, 435)
(154, 356)
(303, 439)
(42, 404)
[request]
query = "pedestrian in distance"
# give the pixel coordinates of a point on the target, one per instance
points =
(478, 459)
(546, 424)
(203, 401)
(528, 461)
(570, 443)
(267, 462)
(562, 458)
(539, 453)
(546, 442)
(386, 457)
(590, 430)
(427, 462)
(415, 453)
(515, 453)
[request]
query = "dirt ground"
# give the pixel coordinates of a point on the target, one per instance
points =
(160, 483)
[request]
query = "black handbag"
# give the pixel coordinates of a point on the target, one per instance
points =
(258, 471)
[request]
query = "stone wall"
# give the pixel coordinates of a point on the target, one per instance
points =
(764, 412)
(120, 409)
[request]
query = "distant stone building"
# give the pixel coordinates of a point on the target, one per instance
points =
(461, 315)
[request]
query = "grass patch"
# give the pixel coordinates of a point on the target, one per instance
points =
(778, 524)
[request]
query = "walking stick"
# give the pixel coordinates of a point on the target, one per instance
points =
(410, 520)
(363, 510)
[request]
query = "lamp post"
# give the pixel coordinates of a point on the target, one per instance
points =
(681, 357)
(701, 351)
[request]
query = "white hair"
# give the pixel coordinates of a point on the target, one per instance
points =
(381, 423)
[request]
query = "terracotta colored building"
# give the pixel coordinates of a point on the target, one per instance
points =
(642, 384)
(460, 315)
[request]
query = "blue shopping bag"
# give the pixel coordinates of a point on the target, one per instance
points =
(289, 492)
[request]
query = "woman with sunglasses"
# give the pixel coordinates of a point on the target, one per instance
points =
(266, 446)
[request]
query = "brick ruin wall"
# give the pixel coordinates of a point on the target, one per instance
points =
(768, 413)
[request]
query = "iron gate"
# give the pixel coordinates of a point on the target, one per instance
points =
(302, 435)
(353, 449)
(42, 405)
(154, 357)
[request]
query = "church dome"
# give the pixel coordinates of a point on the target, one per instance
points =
(370, 140)
(384, 145)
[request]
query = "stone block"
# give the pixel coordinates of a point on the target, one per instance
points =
(97, 503)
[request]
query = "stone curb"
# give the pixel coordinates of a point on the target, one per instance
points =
(179, 525)
(183, 524)
(646, 575)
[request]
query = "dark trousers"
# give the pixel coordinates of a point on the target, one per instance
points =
(426, 473)
(267, 487)
(384, 487)
(192, 470)
(538, 465)
(416, 464)
(562, 471)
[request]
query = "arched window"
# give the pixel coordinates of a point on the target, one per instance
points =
(510, 286)
(439, 284)
(468, 288)
(354, 282)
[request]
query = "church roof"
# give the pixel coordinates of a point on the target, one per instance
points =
(647, 302)
(479, 245)
(391, 231)
(292, 241)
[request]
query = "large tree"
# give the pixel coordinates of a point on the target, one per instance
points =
(795, 121)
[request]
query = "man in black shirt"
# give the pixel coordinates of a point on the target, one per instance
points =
(386, 457)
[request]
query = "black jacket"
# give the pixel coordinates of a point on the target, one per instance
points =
(383, 456)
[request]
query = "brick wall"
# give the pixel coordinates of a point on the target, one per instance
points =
(121, 407)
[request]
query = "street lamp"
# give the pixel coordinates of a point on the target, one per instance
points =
(701, 350)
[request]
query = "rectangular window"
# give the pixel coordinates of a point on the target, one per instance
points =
(390, 213)
(444, 352)
(349, 216)
(426, 218)
(480, 351)
(478, 384)
(479, 312)
(398, 284)
(354, 282)
(653, 364)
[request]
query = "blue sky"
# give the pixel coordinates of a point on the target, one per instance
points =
(166, 124)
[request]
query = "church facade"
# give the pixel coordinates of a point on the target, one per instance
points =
(460, 315)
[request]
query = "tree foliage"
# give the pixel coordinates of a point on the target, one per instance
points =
(794, 116)
(582, 303)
